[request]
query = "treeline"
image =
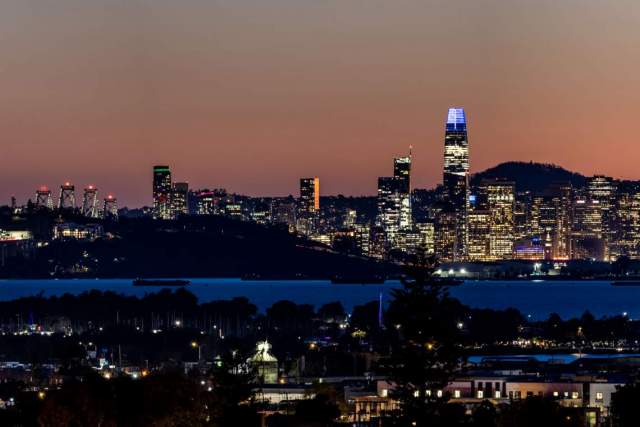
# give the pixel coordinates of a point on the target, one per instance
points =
(288, 325)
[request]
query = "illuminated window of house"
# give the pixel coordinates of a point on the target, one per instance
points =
(480, 394)
(498, 394)
(456, 394)
(599, 396)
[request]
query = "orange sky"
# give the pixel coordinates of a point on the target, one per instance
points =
(253, 94)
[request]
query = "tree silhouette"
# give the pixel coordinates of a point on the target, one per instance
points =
(426, 350)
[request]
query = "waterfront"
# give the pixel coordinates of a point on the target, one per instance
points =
(537, 299)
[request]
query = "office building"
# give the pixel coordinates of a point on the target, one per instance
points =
(479, 230)
(603, 189)
(456, 175)
(308, 205)
(179, 198)
(394, 204)
(162, 189)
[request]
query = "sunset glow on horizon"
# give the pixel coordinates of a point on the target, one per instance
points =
(253, 95)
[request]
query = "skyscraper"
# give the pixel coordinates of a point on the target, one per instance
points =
(603, 189)
(498, 197)
(161, 192)
(308, 205)
(309, 195)
(456, 175)
(394, 202)
(402, 174)
(389, 205)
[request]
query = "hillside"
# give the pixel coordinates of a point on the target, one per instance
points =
(530, 176)
(199, 246)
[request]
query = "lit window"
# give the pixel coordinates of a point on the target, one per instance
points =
(416, 393)
(555, 394)
(599, 396)
(428, 393)
(480, 394)
(384, 392)
(439, 393)
(566, 394)
(574, 395)
(498, 394)
(456, 394)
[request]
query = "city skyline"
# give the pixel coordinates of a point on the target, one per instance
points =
(54, 188)
(215, 91)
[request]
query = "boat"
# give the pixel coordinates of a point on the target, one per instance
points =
(449, 281)
(626, 283)
(148, 282)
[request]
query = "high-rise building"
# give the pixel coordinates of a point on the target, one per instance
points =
(179, 198)
(110, 207)
(90, 202)
(499, 197)
(603, 189)
(389, 205)
(456, 175)
(522, 216)
(479, 230)
(587, 235)
(394, 203)
(627, 226)
(553, 215)
(308, 205)
(162, 192)
(445, 234)
(67, 199)
(309, 201)
(402, 173)
(43, 198)
(362, 233)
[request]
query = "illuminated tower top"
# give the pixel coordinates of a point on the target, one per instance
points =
(456, 120)
(456, 145)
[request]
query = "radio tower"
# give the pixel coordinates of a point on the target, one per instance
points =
(90, 202)
(110, 209)
(67, 198)
(43, 198)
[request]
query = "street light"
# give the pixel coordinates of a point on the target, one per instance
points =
(195, 344)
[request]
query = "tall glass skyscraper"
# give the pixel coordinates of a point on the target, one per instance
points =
(308, 205)
(456, 176)
(162, 192)
(402, 174)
